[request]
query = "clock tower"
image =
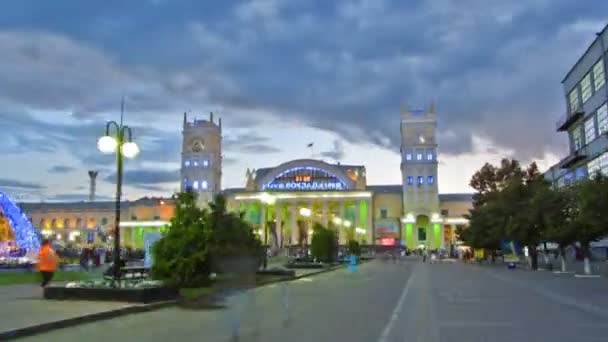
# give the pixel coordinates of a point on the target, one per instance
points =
(201, 169)
(419, 175)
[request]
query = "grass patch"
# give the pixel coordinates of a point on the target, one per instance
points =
(13, 278)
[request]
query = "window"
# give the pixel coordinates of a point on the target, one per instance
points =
(445, 212)
(408, 156)
(410, 180)
(599, 77)
(420, 180)
(429, 156)
(205, 163)
(573, 99)
(586, 90)
(204, 184)
(195, 185)
(383, 213)
(104, 220)
(430, 180)
(602, 119)
(589, 130)
(156, 217)
(418, 156)
(581, 172)
(568, 177)
(133, 218)
(196, 163)
(187, 163)
(576, 138)
(599, 164)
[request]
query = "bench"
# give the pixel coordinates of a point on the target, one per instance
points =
(129, 273)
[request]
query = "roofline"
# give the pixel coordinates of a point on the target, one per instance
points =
(597, 35)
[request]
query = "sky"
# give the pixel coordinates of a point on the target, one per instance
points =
(280, 74)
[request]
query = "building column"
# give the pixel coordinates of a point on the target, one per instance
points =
(132, 237)
(294, 223)
(324, 217)
(262, 226)
(370, 223)
(310, 223)
(341, 235)
(278, 223)
(442, 246)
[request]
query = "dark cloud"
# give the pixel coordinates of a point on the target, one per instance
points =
(60, 169)
(248, 143)
(145, 177)
(493, 68)
(76, 198)
(19, 185)
(336, 153)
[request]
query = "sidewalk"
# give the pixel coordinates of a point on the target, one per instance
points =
(23, 306)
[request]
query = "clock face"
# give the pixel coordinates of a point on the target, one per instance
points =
(197, 145)
(421, 139)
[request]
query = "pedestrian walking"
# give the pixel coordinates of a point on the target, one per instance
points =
(47, 262)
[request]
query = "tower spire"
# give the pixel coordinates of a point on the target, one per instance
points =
(185, 119)
(432, 109)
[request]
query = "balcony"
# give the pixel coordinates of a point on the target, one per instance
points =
(572, 159)
(568, 119)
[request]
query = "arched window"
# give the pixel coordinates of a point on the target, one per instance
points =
(91, 223)
(54, 223)
(67, 223)
(79, 223)
(42, 223)
(104, 221)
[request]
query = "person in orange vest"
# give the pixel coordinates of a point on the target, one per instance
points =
(47, 262)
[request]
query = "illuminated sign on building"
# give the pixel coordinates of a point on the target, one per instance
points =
(305, 179)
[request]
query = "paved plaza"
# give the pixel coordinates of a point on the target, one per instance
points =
(382, 302)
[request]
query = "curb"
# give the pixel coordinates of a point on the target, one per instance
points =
(68, 322)
(329, 269)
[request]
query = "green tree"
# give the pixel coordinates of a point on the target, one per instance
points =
(180, 256)
(560, 217)
(591, 220)
(324, 244)
(231, 237)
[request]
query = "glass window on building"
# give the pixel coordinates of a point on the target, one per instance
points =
(420, 180)
(602, 119)
(383, 213)
(589, 130)
(581, 172)
(430, 180)
(599, 77)
(408, 156)
(445, 212)
(421, 234)
(577, 140)
(104, 221)
(599, 164)
(419, 156)
(429, 155)
(205, 163)
(586, 90)
(573, 99)
(410, 180)
(568, 178)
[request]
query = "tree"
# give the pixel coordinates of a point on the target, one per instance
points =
(180, 256)
(560, 218)
(232, 239)
(591, 196)
(324, 244)
(201, 241)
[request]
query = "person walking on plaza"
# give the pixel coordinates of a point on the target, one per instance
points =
(47, 262)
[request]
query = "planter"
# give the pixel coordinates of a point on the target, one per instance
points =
(132, 295)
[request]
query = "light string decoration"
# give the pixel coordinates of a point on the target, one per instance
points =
(25, 234)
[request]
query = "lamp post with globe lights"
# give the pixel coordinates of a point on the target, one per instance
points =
(117, 139)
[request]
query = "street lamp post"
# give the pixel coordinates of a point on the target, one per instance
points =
(268, 200)
(117, 138)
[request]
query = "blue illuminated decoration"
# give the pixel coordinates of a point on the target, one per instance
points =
(307, 178)
(26, 236)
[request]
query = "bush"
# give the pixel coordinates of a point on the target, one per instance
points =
(200, 242)
(353, 248)
(324, 244)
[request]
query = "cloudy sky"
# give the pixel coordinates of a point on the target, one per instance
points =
(281, 74)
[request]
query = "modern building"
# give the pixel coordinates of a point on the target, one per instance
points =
(586, 118)
(286, 200)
